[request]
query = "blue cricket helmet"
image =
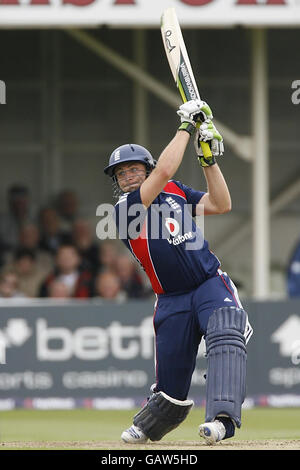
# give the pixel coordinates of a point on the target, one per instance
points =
(129, 153)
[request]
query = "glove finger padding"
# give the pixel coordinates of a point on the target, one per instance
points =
(207, 132)
(206, 111)
(194, 111)
(201, 117)
(217, 148)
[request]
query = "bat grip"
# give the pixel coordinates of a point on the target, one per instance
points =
(206, 149)
(204, 145)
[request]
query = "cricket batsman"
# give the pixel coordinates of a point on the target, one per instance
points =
(194, 298)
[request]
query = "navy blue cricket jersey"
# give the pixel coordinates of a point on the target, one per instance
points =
(165, 238)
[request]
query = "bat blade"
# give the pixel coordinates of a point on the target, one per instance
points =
(179, 61)
(177, 55)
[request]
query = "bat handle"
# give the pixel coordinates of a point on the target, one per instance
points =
(206, 149)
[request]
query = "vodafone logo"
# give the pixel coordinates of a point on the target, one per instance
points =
(172, 226)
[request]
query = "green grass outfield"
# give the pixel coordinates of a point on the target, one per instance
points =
(97, 425)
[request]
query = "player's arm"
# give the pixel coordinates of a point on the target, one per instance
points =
(217, 199)
(171, 157)
(167, 165)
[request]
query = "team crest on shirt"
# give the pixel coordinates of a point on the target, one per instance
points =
(173, 204)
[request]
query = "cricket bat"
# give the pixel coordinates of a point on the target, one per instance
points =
(179, 62)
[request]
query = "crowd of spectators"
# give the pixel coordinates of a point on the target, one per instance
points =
(55, 253)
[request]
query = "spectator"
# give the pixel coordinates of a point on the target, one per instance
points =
(58, 290)
(9, 287)
(293, 275)
(18, 213)
(131, 280)
(68, 271)
(108, 253)
(51, 235)
(108, 286)
(67, 207)
(29, 274)
(29, 239)
(83, 239)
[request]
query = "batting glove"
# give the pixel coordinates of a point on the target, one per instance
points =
(207, 132)
(192, 113)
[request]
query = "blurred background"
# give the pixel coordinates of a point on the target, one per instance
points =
(77, 85)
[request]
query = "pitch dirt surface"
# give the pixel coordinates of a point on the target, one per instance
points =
(272, 444)
(81, 429)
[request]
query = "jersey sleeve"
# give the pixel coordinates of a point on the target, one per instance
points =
(193, 196)
(130, 215)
